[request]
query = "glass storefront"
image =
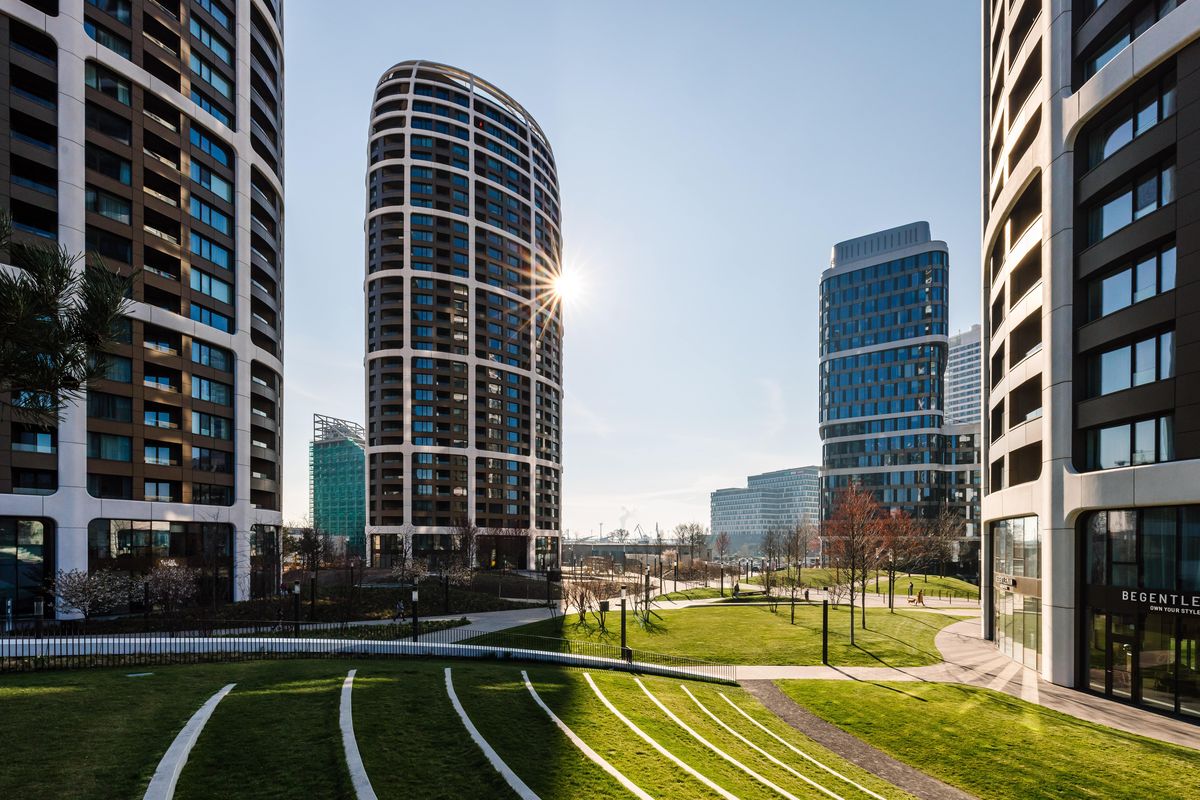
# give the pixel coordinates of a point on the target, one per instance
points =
(1016, 589)
(1142, 606)
(26, 564)
(266, 566)
(137, 546)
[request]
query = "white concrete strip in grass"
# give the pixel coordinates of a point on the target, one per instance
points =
(162, 785)
(645, 737)
(592, 755)
(358, 773)
(800, 752)
(758, 749)
(518, 785)
(674, 718)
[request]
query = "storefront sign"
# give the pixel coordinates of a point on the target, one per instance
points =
(1144, 600)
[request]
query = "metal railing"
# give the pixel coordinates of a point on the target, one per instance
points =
(68, 645)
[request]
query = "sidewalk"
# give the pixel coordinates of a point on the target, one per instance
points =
(486, 622)
(971, 660)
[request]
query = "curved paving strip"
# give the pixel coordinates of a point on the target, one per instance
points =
(645, 737)
(595, 757)
(166, 776)
(354, 763)
(518, 785)
(851, 748)
(691, 731)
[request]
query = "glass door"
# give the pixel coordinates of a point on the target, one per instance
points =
(1121, 646)
(1098, 653)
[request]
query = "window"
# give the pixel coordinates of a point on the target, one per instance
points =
(103, 36)
(211, 425)
(205, 459)
(209, 215)
(206, 103)
(114, 486)
(1149, 192)
(212, 318)
(1132, 29)
(108, 164)
(118, 369)
(158, 418)
(109, 406)
(211, 356)
(212, 391)
(211, 76)
(109, 447)
(211, 286)
(159, 492)
(119, 9)
(211, 181)
(207, 494)
(108, 205)
(1152, 106)
(108, 123)
(1151, 275)
(208, 249)
(159, 454)
(207, 143)
(218, 13)
(210, 40)
(1132, 443)
(107, 82)
(1146, 361)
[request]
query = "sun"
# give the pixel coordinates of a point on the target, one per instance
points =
(566, 288)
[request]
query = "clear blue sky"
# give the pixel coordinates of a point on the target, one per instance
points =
(709, 155)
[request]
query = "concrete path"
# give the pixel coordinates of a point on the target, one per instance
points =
(485, 622)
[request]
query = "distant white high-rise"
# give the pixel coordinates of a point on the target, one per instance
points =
(963, 384)
(779, 499)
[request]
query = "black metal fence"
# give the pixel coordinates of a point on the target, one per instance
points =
(29, 649)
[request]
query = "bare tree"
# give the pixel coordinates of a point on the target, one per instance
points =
(172, 586)
(771, 548)
(89, 593)
(853, 541)
(793, 547)
(941, 534)
(901, 547)
(721, 545)
(682, 536)
(621, 535)
(466, 543)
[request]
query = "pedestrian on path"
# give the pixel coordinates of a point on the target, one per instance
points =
(399, 615)
(910, 588)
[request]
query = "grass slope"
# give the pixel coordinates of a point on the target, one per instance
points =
(818, 577)
(753, 635)
(998, 747)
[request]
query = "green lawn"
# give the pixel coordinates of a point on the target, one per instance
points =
(753, 635)
(818, 577)
(699, 593)
(997, 747)
(276, 734)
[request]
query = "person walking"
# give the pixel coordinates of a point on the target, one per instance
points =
(399, 615)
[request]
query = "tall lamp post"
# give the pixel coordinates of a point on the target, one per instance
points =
(675, 576)
(626, 653)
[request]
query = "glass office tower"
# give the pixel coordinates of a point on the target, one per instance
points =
(883, 318)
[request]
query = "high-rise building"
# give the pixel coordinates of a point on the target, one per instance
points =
(464, 331)
(151, 135)
(963, 386)
(1091, 365)
(781, 499)
(882, 360)
(337, 466)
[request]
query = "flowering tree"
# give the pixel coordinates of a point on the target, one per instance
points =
(172, 586)
(89, 593)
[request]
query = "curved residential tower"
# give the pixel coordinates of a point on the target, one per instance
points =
(464, 332)
(1091, 346)
(150, 133)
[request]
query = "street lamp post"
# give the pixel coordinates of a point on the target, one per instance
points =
(626, 653)
(296, 604)
(416, 621)
(675, 576)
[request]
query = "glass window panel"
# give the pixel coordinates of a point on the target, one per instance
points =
(1097, 652)
(1189, 566)
(1145, 197)
(1097, 538)
(1156, 657)
(1166, 438)
(1111, 139)
(1147, 113)
(1145, 367)
(1158, 548)
(1189, 666)
(1115, 292)
(1146, 274)
(1166, 355)
(1114, 215)
(1143, 441)
(1122, 532)
(1168, 185)
(1167, 270)
(1115, 368)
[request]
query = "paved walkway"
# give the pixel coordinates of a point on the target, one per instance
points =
(485, 622)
